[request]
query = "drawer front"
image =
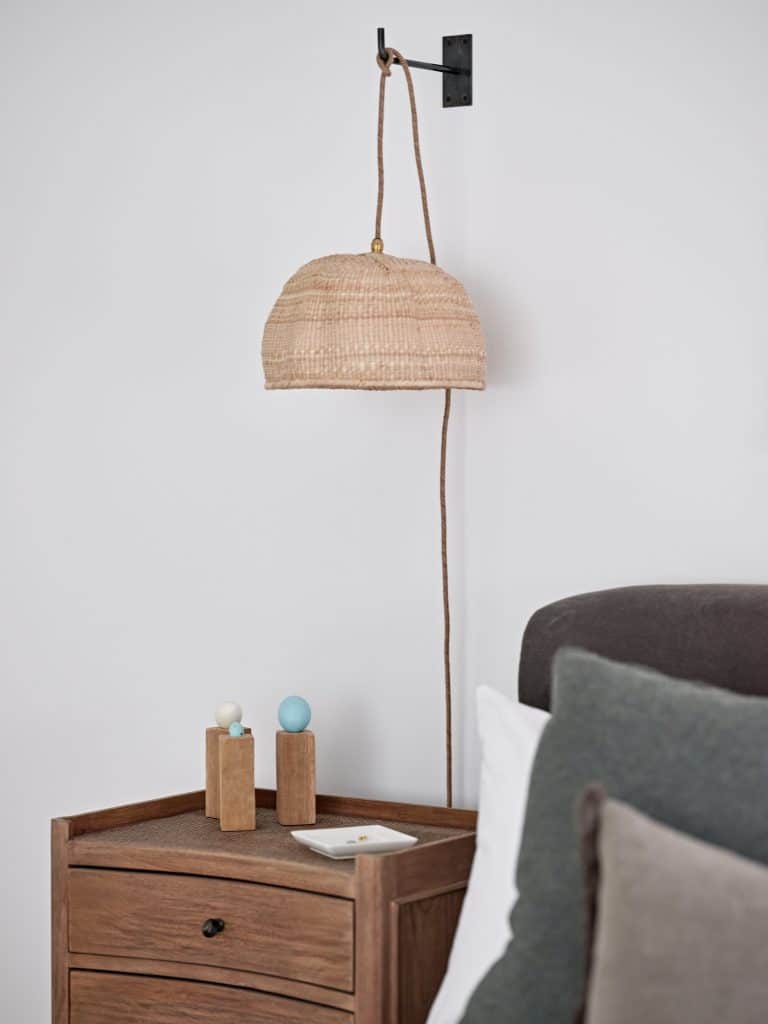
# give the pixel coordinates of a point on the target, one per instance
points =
(98, 998)
(283, 932)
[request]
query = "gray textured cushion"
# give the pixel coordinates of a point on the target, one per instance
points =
(713, 632)
(694, 757)
(681, 925)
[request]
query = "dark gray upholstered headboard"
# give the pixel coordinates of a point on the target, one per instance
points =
(714, 633)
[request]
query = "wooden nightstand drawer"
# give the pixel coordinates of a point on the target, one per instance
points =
(101, 998)
(298, 935)
(305, 938)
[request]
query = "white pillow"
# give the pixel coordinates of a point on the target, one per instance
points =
(509, 735)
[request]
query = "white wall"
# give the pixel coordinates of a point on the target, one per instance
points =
(171, 535)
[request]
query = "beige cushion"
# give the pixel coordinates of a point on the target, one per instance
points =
(680, 927)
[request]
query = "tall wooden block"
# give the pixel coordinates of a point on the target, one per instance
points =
(212, 737)
(212, 770)
(296, 778)
(237, 798)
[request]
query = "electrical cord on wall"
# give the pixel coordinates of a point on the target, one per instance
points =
(378, 246)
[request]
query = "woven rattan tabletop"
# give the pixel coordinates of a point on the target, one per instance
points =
(192, 843)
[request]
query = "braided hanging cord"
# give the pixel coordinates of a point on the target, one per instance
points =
(386, 71)
(446, 609)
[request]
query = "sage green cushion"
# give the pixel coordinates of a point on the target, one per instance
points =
(692, 756)
(680, 926)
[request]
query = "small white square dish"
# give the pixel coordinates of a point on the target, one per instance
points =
(345, 843)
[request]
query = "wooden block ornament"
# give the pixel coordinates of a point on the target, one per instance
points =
(237, 797)
(226, 768)
(212, 736)
(295, 756)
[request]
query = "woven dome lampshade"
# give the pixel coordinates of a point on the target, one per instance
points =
(373, 321)
(378, 322)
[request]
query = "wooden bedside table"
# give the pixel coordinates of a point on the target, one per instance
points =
(161, 918)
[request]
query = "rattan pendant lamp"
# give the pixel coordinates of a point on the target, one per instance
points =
(373, 321)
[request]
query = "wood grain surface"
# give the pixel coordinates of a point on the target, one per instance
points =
(405, 814)
(421, 929)
(193, 844)
(128, 814)
(295, 764)
(102, 998)
(212, 734)
(59, 922)
(217, 975)
(439, 866)
(395, 902)
(237, 796)
(137, 955)
(290, 934)
(376, 890)
(373, 810)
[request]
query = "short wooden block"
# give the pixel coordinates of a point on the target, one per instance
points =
(296, 778)
(212, 770)
(237, 798)
(212, 736)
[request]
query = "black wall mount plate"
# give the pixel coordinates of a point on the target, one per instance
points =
(456, 68)
(457, 88)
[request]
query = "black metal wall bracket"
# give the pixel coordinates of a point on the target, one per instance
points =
(456, 68)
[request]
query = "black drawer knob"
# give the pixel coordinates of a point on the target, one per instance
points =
(212, 927)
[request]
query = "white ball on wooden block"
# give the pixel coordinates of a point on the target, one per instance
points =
(227, 713)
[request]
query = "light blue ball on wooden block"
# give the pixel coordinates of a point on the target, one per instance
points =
(236, 729)
(294, 714)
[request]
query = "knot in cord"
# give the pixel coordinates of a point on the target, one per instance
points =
(386, 65)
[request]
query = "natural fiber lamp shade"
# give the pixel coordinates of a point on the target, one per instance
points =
(373, 321)
(381, 323)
